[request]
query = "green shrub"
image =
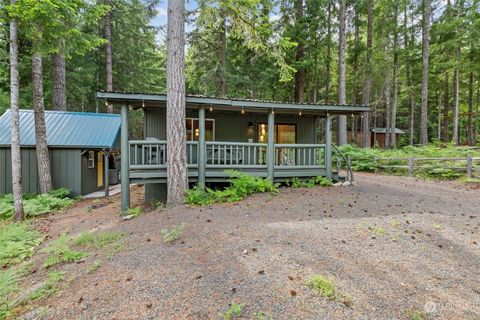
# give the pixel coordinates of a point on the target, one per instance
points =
(363, 159)
(316, 181)
(241, 185)
(49, 288)
(17, 242)
(35, 205)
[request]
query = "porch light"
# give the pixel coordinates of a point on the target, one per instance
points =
(328, 114)
(211, 108)
(106, 103)
(273, 112)
(143, 103)
(243, 111)
(352, 115)
(300, 113)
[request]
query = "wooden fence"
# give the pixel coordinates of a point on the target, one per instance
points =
(467, 164)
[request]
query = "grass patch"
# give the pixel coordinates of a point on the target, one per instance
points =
(97, 240)
(59, 252)
(50, 287)
(172, 234)
(94, 266)
(9, 280)
(416, 315)
(323, 286)
(235, 310)
(35, 205)
(135, 211)
(17, 242)
(241, 186)
(379, 231)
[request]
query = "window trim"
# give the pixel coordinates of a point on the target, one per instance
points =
(91, 159)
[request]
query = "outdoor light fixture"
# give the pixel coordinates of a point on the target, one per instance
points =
(197, 132)
(352, 115)
(211, 108)
(273, 112)
(106, 103)
(143, 103)
(300, 113)
(328, 114)
(243, 111)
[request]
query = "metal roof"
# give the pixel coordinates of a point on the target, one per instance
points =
(66, 129)
(138, 99)
(383, 130)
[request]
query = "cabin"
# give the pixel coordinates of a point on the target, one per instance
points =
(377, 136)
(80, 145)
(268, 139)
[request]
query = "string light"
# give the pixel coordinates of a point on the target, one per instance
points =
(211, 108)
(352, 115)
(243, 111)
(328, 114)
(143, 103)
(106, 103)
(273, 112)
(300, 113)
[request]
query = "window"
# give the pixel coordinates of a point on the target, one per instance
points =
(193, 130)
(91, 159)
(284, 133)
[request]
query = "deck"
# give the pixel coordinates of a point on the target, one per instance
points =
(147, 160)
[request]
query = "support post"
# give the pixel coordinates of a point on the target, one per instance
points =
(201, 146)
(125, 152)
(328, 146)
(106, 177)
(469, 166)
(410, 167)
(271, 145)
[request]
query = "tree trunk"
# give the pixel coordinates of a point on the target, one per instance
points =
(329, 53)
(393, 123)
(476, 114)
(43, 161)
(456, 75)
(367, 84)
(59, 94)
(300, 74)
(177, 182)
(387, 101)
(408, 70)
(108, 53)
(470, 139)
(223, 53)
(446, 102)
(15, 122)
(342, 119)
(425, 70)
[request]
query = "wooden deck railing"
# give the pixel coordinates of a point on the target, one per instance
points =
(152, 154)
(300, 155)
(235, 155)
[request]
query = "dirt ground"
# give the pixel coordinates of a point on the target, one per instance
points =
(395, 246)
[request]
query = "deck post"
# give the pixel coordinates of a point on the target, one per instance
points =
(106, 177)
(125, 152)
(201, 146)
(328, 146)
(271, 145)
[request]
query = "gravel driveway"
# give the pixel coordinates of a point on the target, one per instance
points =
(395, 246)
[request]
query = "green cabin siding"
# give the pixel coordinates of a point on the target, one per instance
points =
(68, 166)
(232, 126)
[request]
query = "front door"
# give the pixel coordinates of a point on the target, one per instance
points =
(99, 169)
(284, 134)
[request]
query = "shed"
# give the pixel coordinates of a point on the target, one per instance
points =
(80, 145)
(378, 136)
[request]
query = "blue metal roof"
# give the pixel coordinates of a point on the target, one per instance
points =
(66, 129)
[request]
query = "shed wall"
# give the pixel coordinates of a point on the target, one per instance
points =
(65, 166)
